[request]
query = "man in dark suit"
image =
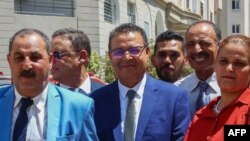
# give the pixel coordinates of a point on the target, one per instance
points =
(70, 56)
(136, 106)
(32, 108)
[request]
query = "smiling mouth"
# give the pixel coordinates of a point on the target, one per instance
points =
(200, 56)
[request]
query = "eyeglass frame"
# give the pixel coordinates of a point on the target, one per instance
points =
(58, 55)
(127, 50)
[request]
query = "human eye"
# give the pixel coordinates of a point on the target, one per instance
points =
(35, 57)
(239, 64)
(174, 55)
(161, 54)
(223, 62)
(117, 52)
(190, 44)
(204, 43)
(134, 50)
(18, 57)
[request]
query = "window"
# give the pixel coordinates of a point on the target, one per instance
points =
(45, 7)
(236, 28)
(187, 4)
(131, 12)
(201, 9)
(146, 28)
(235, 4)
(109, 11)
(211, 16)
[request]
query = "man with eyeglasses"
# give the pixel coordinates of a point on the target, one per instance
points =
(137, 107)
(201, 43)
(168, 57)
(70, 56)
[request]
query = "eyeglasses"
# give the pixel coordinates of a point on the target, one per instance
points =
(59, 55)
(133, 51)
(202, 43)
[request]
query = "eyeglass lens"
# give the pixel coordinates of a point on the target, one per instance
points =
(133, 51)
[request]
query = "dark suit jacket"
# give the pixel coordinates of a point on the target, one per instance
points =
(164, 114)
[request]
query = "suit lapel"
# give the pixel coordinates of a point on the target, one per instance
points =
(53, 111)
(6, 108)
(150, 97)
(114, 110)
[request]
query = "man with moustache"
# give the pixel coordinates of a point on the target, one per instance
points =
(168, 57)
(32, 108)
(202, 39)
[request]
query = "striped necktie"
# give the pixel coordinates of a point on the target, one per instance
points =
(203, 98)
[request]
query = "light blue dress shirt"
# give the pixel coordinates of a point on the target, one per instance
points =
(190, 84)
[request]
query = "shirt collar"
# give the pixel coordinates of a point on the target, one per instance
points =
(39, 100)
(211, 81)
(86, 85)
(138, 88)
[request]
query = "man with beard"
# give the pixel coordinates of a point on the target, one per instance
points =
(168, 57)
(202, 39)
(32, 108)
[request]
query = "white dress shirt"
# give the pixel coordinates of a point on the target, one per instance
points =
(190, 84)
(37, 116)
(86, 86)
(139, 89)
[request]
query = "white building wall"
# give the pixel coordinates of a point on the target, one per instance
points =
(229, 17)
(89, 17)
(145, 11)
(246, 29)
(7, 21)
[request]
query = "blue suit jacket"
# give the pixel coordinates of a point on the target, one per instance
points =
(164, 114)
(69, 117)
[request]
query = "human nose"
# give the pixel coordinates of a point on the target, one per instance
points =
(229, 67)
(167, 59)
(127, 55)
(197, 47)
(27, 63)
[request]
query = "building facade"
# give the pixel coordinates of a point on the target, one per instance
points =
(234, 17)
(98, 17)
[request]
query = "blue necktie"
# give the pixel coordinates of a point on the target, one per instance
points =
(20, 128)
(129, 125)
(202, 99)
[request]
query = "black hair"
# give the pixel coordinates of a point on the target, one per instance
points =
(126, 28)
(78, 39)
(29, 31)
(167, 36)
(214, 26)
